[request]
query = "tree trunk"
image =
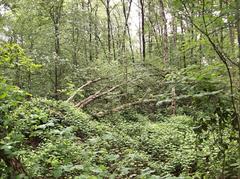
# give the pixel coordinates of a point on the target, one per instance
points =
(96, 33)
(237, 17)
(90, 30)
(165, 32)
(108, 28)
(55, 14)
(126, 32)
(174, 50)
(221, 31)
(143, 30)
(183, 44)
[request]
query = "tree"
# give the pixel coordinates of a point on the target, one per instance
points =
(142, 5)
(55, 13)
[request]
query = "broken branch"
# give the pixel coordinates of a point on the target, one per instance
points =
(95, 96)
(80, 88)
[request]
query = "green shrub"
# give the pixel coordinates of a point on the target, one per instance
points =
(54, 139)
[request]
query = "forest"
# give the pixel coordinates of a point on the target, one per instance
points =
(120, 89)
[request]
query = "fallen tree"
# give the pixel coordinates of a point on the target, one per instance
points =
(155, 100)
(184, 97)
(81, 87)
(99, 94)
(95, 96)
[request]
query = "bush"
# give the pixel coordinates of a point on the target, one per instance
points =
(54, 139)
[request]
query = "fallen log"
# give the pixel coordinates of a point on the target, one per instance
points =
(158, 103)
(83, 86)
(184, 97)
(124, 106)
(95, 96)
(99, 94)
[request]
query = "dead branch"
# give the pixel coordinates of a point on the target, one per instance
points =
(83, 86)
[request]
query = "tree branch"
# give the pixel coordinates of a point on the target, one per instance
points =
(83, 86)
(95, 96)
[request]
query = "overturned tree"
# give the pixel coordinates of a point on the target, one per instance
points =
(102, 92)
(83, 86)
(158, 103)
(95, 96)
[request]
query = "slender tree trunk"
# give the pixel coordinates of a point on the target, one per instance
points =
(183, 44)
(118, 37)
(238, 25)
(108, 28)
(75, 39)
(55, 14)
(125, 26)
(231, 29)
(174, 50)
(201, 55)
(237, 17)
(90, 45)
(96, 32)
(221, 31)
(126, 32)
(155, 34)
(17, 74)
(113, 42)
(29, 75)
(131, 45)
(85, 40)
(150, 33)
(140, 36)
(165, 32)
(56, 59)
(143, 30)
(192, 38)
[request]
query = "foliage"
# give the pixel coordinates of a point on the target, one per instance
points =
(119, 89)
(54, 139)
(13, 55)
